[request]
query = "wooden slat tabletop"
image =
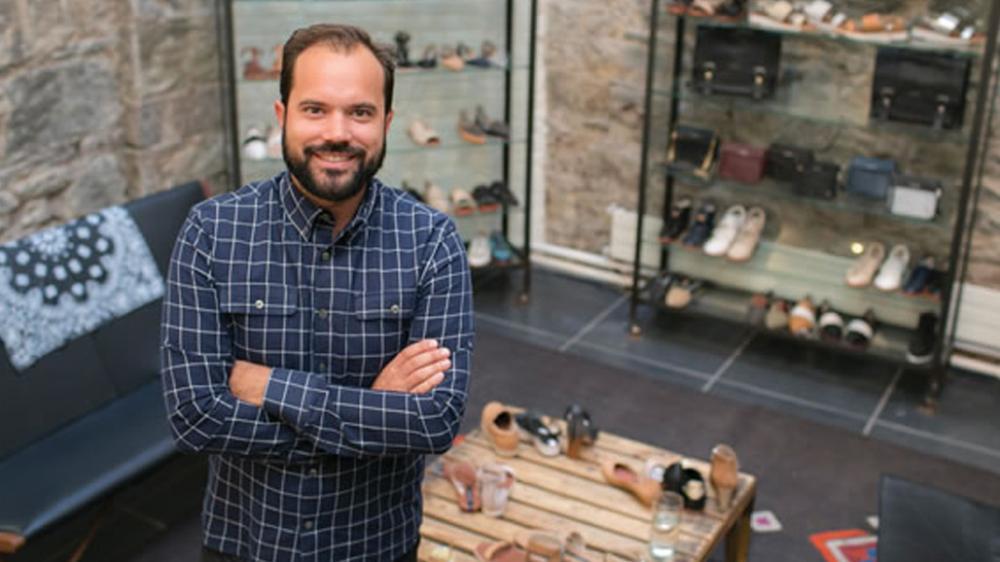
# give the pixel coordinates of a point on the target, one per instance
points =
(563, 494)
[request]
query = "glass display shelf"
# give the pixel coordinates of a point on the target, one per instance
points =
(728, 304)
(410, 148)
(412, 73)
(770, 189)
(786, 102)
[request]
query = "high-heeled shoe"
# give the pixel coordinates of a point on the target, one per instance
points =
(724, 475)
(580, 431)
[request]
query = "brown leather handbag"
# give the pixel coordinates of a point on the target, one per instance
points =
(742, 162)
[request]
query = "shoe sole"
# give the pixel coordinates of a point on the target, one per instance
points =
(470, 138)
(918, 359)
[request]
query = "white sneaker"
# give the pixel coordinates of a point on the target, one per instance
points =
(890, 277)
(254, 144)
(725, 232)
(749, 236)
(479, 251)
(863, 269)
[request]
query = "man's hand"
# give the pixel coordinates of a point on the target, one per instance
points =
(417, 369)
(248, 381)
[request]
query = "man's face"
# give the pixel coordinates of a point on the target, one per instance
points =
(334, 126)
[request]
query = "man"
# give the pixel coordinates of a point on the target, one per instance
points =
(317, 329)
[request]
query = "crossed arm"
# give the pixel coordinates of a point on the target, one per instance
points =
(220, 405)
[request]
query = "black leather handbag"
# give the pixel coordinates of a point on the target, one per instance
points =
(818, 180)
(786, 162)
(736, 61)
(920, 87)
(693, 150)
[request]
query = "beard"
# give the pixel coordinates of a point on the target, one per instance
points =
(332, 186)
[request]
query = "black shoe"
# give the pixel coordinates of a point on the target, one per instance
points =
(658, 287)
(403, 50)
(503, 193)
(831, 323)
(860, 331)
(545, 439)
(921, 349)
(677, 222)
(429, 60)
(486, 199)
(701, 229)
(580, 430)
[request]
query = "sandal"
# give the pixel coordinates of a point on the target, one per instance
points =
(422, 134)
(621, 475)
(464, 478)
(462, 203)
(450, 60)
(571, 543)
(534, 429)
(580, 431)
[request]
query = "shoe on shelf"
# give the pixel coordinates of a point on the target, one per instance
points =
(486, 200)
(916, 283)
(890, 276)
(429, 59)
(701, 227)
(682, 292)
(274, 143)
(921, 348)
(777, 315)
(802, 318)
(503, 193)
(479, 251)
(450, 59)
(462, 204)
(860, 331)
(746, 241)
(413, 192)
(934, 284)
(500, 429)
(464, 52)
(725, 232)
(492, 127)
(436, 198)
(403, 50)
(254, 144)
(253, 69)
(580, 431)
(469, 130)
(620, 474)
(500, 249)
(659, 286)
(488, 56)
(532, 428)
(677, 222)
(831, 324)
(757, 310)
(864, 267)
(422, 134)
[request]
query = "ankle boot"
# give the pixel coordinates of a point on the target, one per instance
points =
(724, 475)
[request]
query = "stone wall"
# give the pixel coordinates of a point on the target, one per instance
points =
(595, 62)
(102, 101)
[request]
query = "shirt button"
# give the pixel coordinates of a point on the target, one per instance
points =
(322, 366)
(394, 309)
(322, 312)
(308, 525)
(326, 255)
(259, 304)
(313, 472)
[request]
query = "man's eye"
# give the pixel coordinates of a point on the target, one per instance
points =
(363, 112)
(312, 110)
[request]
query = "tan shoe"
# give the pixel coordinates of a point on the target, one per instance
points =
(499, 428)
(748, 237)
(724, 475)
(863, 269)
(462, 204)
(469, 130)
(463, 478)
(802, 319)
(620, 474)
(422, 134)
(450, 59)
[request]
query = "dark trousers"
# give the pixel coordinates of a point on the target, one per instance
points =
(209, 555)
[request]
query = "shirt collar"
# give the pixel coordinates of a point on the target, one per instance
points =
(304, 214)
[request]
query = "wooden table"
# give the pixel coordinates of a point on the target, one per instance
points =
(563, 494)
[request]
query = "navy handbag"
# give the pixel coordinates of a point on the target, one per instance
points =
(870, 177)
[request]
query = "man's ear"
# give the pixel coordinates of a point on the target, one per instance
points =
(388, 121)
(279, 112)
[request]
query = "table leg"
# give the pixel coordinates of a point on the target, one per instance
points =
(738, 537)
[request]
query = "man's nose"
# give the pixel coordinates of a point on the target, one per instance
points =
(336, 128)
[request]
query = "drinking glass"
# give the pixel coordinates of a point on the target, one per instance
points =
(666, 526)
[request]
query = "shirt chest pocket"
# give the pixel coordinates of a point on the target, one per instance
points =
(389, 312)
(260, 317)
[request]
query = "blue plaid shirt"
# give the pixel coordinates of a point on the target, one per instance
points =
(327, 469)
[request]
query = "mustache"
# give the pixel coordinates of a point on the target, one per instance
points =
(335, 147)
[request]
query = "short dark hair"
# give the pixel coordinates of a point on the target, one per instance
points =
(339, 38)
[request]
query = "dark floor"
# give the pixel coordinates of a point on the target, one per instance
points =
(803, 420)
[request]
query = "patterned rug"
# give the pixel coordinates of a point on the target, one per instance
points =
(849, 545)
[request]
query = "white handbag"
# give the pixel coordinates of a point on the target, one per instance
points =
(914, 197)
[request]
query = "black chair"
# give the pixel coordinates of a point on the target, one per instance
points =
(920, 523)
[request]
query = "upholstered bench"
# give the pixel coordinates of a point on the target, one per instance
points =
(89, 416)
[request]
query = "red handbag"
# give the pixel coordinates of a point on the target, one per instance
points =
(742, 162)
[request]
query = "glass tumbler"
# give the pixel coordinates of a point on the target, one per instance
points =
(666, 526)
